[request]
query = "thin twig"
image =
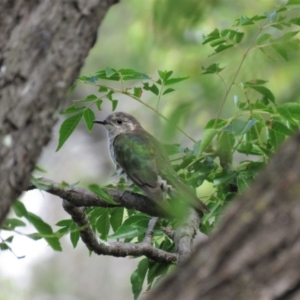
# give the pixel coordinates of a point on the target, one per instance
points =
(149, 234)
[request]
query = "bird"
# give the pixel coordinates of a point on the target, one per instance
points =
(142, 159)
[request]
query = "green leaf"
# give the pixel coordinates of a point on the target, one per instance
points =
(293, 2)
(116, 218)
(212, 36)
(65, 223)
(102, 89)
(9, 239)
(98, 104)
(74, 235)
(38, 183)
(167, 91)
(241, 126)
(20, 209)
(216, 124)
(137, 278)
(245, 20)
(155, 270)
(239, 36)
(130, 74)
(127, 232)
(217, 42)
(222, 48)
(175, 80)
(114, 104)
(12, 223)
(73, 109)
(224, 178)
(284, 113)
(109, 72)
(128, 228)
(4, 246)
(262, 90)
(295, 21)
(271, 16)
(162, 75)
(103, 225)
(137, 92)
(45, 230)
(280, 128)
(211, 69)
(281, 51)
(153, 88)
(225, 144)
(293, 109)
(262, 38)
(40, 169)
(95, 188)
(207, 137)
(66, 129)
(89, 98)
(34, 236)
(102, 75)
(89, 117)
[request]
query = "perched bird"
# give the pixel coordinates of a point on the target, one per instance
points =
(143, 160)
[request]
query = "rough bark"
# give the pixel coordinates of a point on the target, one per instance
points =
(254, 254)
(43, 45)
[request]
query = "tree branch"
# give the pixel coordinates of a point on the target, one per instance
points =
(117, 249)
(75, 198)
(185, 234)
(83, 197)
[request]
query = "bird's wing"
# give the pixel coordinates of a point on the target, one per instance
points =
(136, 155)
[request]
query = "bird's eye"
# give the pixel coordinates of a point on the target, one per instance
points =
(119, 121)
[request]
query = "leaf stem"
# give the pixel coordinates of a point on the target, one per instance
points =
(236, 74)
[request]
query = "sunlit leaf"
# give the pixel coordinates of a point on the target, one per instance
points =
(153, 88)
(213, 68)
(207, 137)
(175, 80)
(167, 91)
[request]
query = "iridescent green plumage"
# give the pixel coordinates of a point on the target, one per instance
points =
(144, 160)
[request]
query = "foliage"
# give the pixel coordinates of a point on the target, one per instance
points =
(229, 155)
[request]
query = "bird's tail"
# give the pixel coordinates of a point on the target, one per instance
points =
(185, 193)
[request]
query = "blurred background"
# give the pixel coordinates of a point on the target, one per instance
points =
(144, 35)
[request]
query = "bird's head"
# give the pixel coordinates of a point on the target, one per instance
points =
(119, 122)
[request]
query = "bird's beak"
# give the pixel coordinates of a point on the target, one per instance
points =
(100, 122)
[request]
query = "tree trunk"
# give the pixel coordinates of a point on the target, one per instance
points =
(254, 254)
(43, 45)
